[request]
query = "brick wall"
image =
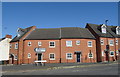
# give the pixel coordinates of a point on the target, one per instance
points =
(45, 55)
(83, 47)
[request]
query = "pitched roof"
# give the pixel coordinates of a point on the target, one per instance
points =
(58, 33)
(24, 30)
(112, 31)
(76, 32)
(53, 33)
(96, 29)
(2, 39)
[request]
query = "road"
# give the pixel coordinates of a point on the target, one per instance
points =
(96, 69)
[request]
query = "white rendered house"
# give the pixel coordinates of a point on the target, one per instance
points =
(4, 48)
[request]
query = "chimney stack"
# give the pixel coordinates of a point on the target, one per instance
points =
(8, 36)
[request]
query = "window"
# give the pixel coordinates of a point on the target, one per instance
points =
(29, 55)
(90, 55)
(10, 46)
(89, 43)
(29, 43)
(102, 53)
(51, 44)
(16, 46)
(52, 56)
(118, 30)
(117, 53)
(111, 53)
(68, 55)
(116, 42)
(15, 57)
(111, 43)
(102, 42)
(103, 28)
(69, 43)
(77, 42)
(39, 43)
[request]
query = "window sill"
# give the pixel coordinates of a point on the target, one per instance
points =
(51, 59)
(111, 45)
(69, 46)
(51, 47)
(69, 59)
(111, 56)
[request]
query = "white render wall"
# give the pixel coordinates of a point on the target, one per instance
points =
(4, 49)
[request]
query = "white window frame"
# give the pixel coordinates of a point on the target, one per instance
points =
(102, 42)
(89, 56)
(16, 45)
(117, 52)
(110, 42)
(29, 55)
(29, 43)
(69, 57)
(116, 42)
(51, 58)
(10, 46)
(39, 43)
(78, 42)
(69, 44)
(15, 57)
(88, 43)
(51, 46)
(103, 28)
(113, 53)
(118, 30)
(103, 53)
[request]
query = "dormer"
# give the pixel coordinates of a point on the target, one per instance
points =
(103, 28)
(118, 30)
(19, 32)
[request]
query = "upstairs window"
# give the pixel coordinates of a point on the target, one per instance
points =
(77, 42)
(118, 30)
(89, 43)
(102, 42)
(69, 43)
(116, 42)
(111, 42)
(16, 46)
(39, 43)
(103, 28)
(52, 44)
(29, 43)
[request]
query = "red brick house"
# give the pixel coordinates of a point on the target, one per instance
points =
(107, 44)
(55, 45)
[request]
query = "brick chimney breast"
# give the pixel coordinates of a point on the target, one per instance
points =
(8, 36)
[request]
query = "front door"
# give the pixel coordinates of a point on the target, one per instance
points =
(106, 56)
(39, 56)
(78, 57)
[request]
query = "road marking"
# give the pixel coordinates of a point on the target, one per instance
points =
(61, 67)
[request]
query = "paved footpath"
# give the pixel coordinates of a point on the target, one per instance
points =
(31, 67)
